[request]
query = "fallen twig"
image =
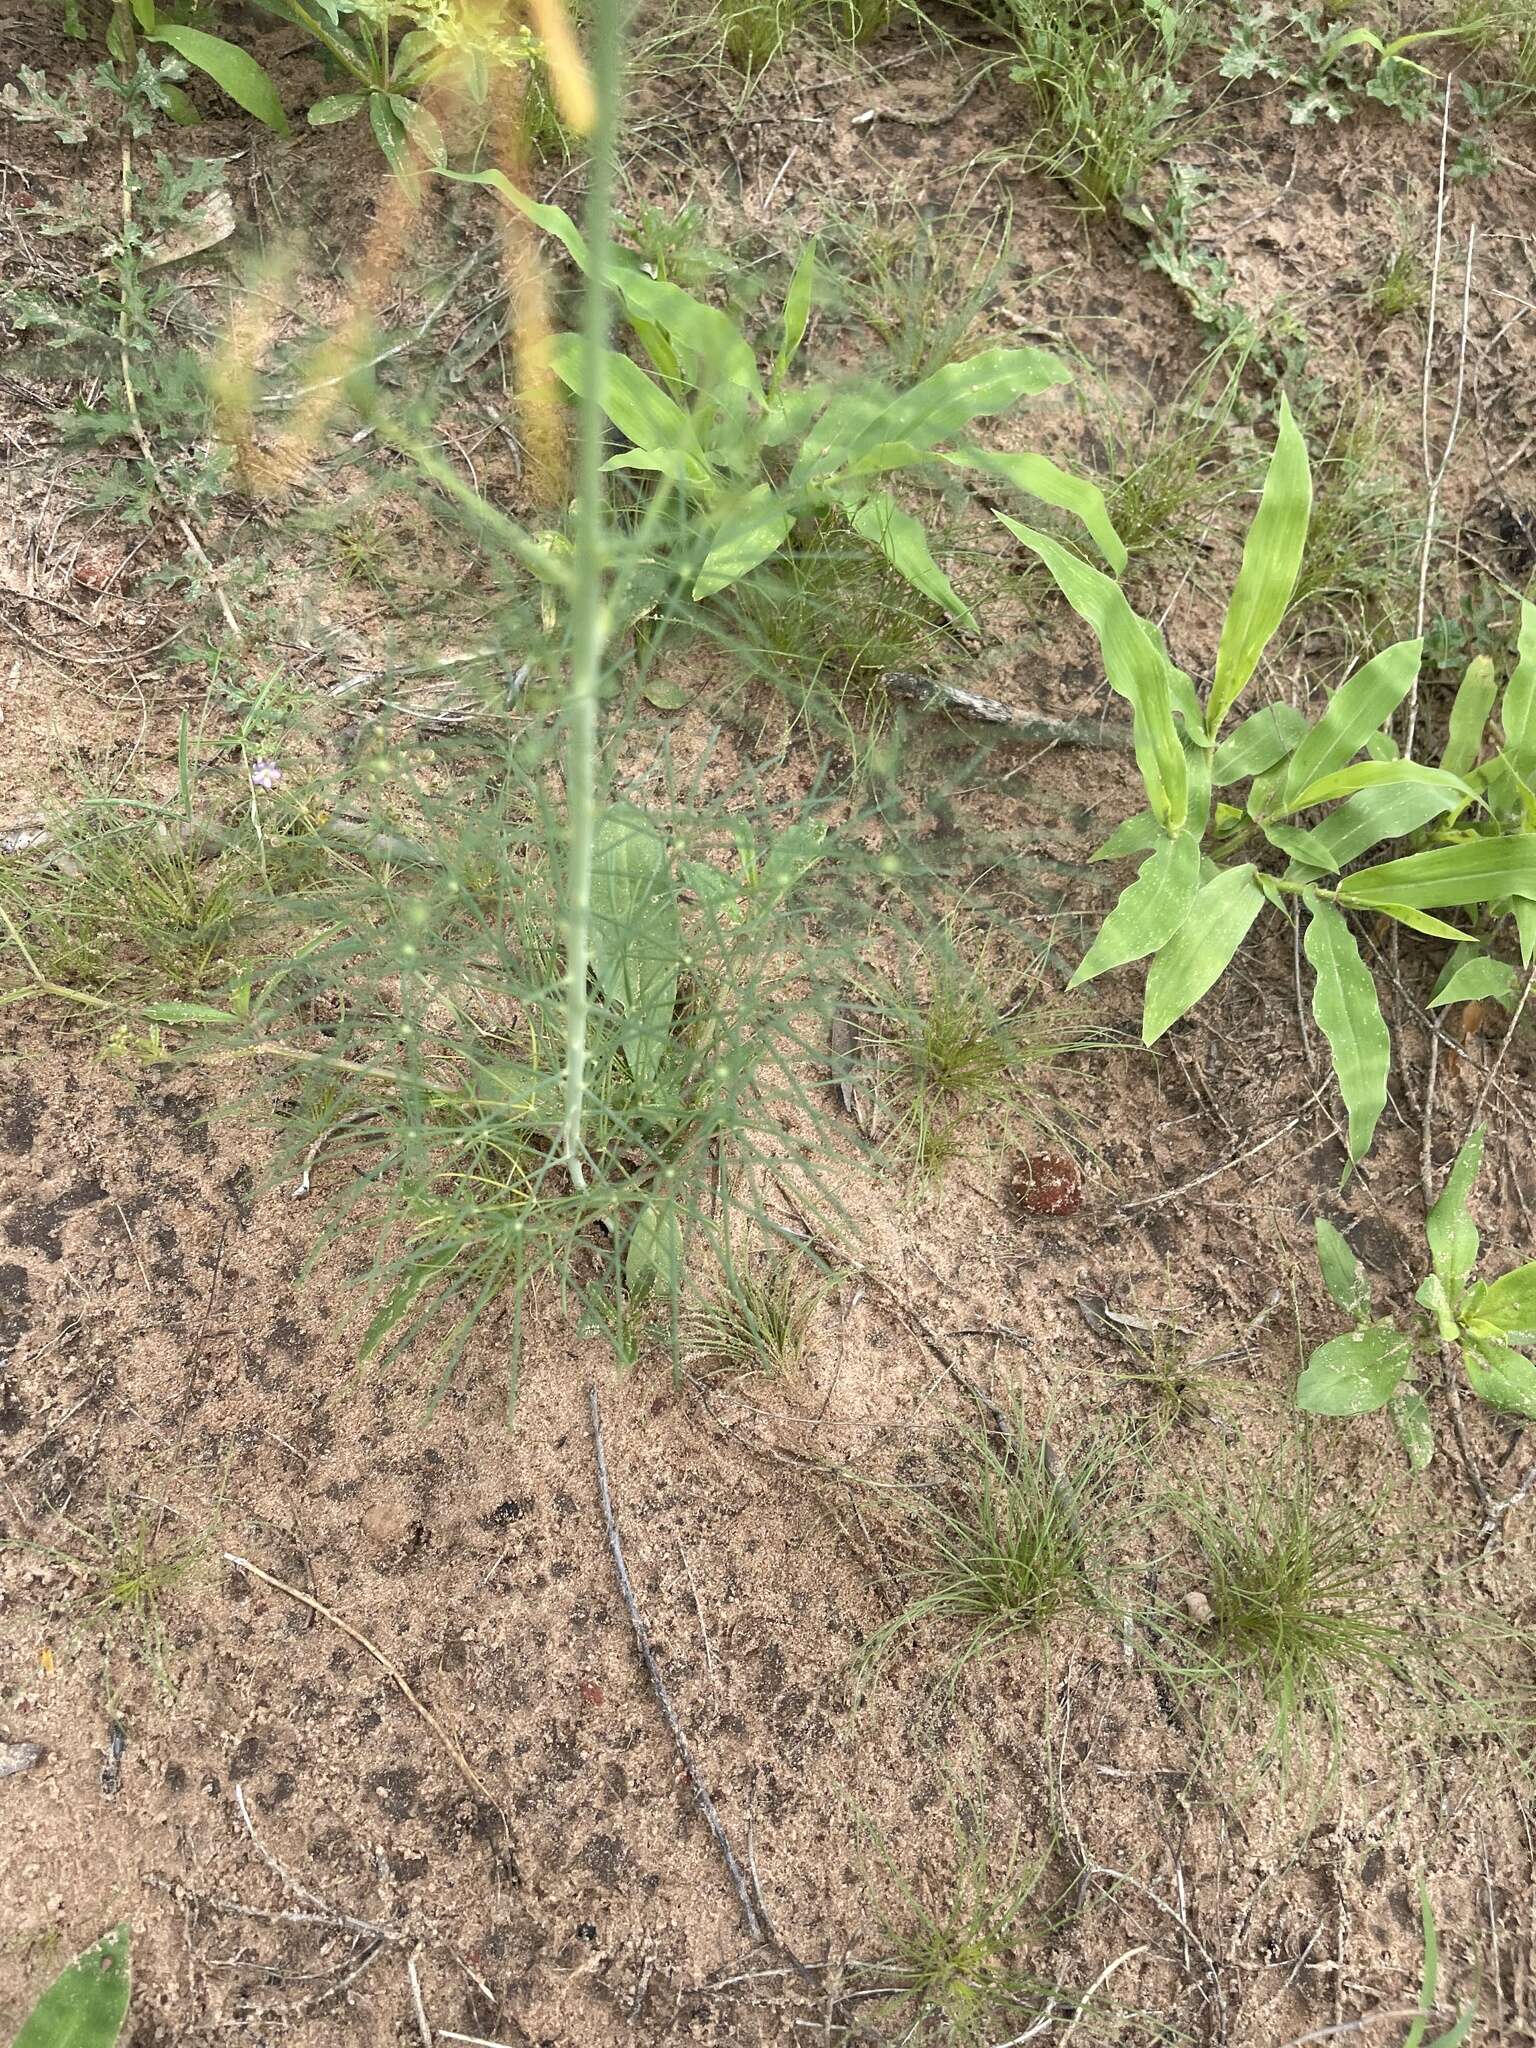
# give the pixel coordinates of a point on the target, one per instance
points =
(1024, 725)
(706, 1805)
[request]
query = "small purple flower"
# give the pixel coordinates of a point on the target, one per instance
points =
(265, 775)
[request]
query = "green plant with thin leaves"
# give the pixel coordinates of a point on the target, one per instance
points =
(759, 1317)
(1011, 1544)
(86, 2004)
(1460, 2029)
(1488, 1326)
(749, 461)
(1316, 797)
(1285, 1599)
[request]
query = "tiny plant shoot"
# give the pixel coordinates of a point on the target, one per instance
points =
(1489, 1326)
(1314, 795)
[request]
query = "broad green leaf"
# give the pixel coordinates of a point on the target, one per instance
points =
(1355, 1373)
(1201, 949)
(637, 941)
(554, 220)
(1475, 871)
(902, 541)
(1265, 737)
(1135, 666)
(1150, 909)
(936, 409)
(388, 132)
(1138, 834)
(1361, 822)
(1480, 980)
(1271, 561)
(337, 106)
(653, 1258)
(1356, 710)
(1377, 775)
(797, 311)
(635, 403)
(1519, 712)
(1524, 909)
(1038, 477)
(86, 2004)
(745, 537)
(1421, 921)
(1501, 1376)
(1470, 712)
(1348, 1014)
(421, 125)
(1343, 1274)
(1509, 1305)
(1416, 1432)
(672, 462)
(1452, 1234)
(231, 69)
(1431, 1294)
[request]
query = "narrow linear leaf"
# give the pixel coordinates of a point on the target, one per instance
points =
(1452, 1234)
(634, 402)
(1038, 477)
(1475, 696)
(1447, 877)
(1415, 1430)
(744, 538)
(1272, 556)
(1422, 921)
(1199, 952)
(901, 539)
(1357, 709)
(1264, 738)
(1377, 775)
(1519, 713)
(1150, 909)
(1361, 822)
(1136, 667)
(1348, 1013)
(797, 310)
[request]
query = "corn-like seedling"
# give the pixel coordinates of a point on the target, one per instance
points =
(1313, 806)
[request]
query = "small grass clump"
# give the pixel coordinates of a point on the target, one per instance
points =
(1293, 1599)
(953, 1964)
(759, 1320)
(1005, 1549)
(944, 1058)
(1169, 467)
(1358, 572)
(919, 280)
(1106, 97)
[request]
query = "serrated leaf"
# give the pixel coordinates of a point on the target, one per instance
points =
(1038, 477)
(1343, 1275)
(233, 70)
(1509, 1304)
(1150, 909)
(1356, 1373)
(1453, 1239)
(1264, 738)
(1474, 701)
(1501, 1376)
(1272, 556)
(1477, 981)
(1473, 872)
(744, 539)
(1136, 668)
(86, 2004)
(1199, 952)
(1519, 711)
(1348, 1013)
(1355, 711)
(902, 541)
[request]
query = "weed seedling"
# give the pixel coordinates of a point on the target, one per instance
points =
(1005, 1547)
(759, 1319)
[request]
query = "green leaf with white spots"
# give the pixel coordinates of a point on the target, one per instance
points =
(1348, 1014)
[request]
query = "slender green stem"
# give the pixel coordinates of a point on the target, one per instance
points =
(589, 602)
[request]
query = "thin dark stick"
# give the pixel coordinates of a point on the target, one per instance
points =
(749, 1914)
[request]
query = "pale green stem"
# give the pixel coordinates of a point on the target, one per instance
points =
(589, 601)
